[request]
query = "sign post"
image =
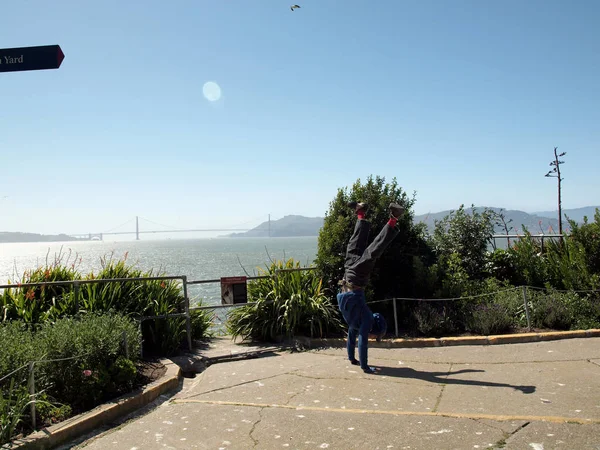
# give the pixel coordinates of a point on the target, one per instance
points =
(31, 58)
(233, 290)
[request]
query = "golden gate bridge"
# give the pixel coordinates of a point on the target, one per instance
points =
(137, 232)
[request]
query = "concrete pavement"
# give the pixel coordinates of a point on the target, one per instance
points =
(541, 395)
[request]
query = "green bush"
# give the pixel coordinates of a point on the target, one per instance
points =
(563, 310)
(465, 238)
(285, 304)
(134, 298)
(488, 318)
(435, 319)
(588, 235)
(82, 364)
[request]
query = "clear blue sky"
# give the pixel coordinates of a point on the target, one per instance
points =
(463, 101)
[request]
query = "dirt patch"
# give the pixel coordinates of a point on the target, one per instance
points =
(149, 371)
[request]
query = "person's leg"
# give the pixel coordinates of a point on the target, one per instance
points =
(351, 344)
(358, 241)
(366, 321)
(358, 273)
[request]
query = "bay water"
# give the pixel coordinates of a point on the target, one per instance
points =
(198, 259)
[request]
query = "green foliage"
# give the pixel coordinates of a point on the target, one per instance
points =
(201, 322)
(134, 298)
(588, 236)
(285, 304)
(394, 273)
(567, 267)
(94, 371)
(563, 310)
(487, 317)
(14, 402)
(435, 319)
(461, 243)
(41, 303)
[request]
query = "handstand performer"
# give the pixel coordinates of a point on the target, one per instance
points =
(359, 263)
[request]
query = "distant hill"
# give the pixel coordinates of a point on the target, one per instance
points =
(10, 237)
(288, 226)
(533, 222)
(294, 225)
(576, 214)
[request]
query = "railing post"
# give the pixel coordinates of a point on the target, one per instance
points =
(32, 394)
(526, 307)
(76, 295)
(188, 319)
(395, 317)
(141, 339)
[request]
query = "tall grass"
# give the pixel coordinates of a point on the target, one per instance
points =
(284, 305)
(133, 298)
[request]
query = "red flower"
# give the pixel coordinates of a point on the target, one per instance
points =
(30, 294)
(87, 373)
(162, 284)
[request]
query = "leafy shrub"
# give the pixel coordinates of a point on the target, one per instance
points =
(101, 339)
(490, 318)
(588, 235)
(567, 266)
(285, 304)
(134, 298)
(465, 236)
(435, 320)
(82, 364)
(41, 303)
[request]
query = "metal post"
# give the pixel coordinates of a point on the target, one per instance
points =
(395, 317)
(526, 307)
(76, 295)
(125, 344)
(188, 320)
(141, 340)
(32, 394)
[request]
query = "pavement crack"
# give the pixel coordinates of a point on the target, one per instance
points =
(593, 362)
(254, 440)
(439, 399)
(502, 442)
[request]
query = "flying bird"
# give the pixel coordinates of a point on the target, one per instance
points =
(293, 7)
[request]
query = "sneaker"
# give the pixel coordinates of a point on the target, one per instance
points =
(370, 370)
(357, 206)
(354, 362)
(396, 210)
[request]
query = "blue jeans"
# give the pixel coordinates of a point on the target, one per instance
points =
(358, 316)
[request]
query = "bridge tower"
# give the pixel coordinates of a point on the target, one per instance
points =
(137, 228)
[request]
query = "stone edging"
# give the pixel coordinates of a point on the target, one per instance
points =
(84, 423)
(462, 340)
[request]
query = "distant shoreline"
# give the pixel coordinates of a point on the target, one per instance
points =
(8, 237)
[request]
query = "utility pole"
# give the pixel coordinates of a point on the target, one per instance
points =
(556, 173)
(137, 228)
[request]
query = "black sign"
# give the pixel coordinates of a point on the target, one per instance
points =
(30, 58)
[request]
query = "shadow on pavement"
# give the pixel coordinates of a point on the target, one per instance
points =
(445, 377)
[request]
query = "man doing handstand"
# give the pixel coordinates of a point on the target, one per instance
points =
(358, 265)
